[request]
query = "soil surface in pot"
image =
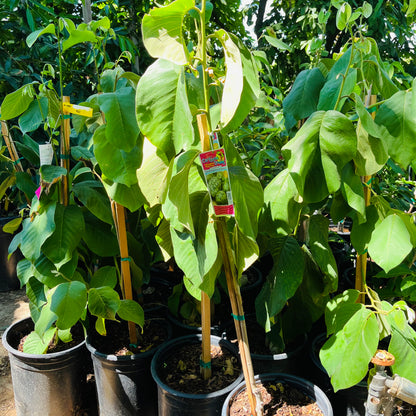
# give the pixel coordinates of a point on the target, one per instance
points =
(117, 340)
(181, 371)
(279, 399)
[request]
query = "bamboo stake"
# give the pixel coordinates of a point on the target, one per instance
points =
(120, 222)
(64, 149)
(233, 290)
(238, 314)
(361, 268)
(11, 147)
(205, 300)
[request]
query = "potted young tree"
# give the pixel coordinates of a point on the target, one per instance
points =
(173, 97)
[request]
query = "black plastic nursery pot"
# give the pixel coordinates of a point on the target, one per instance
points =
(124, 384)
(304, 386)
(176, 403)
(8, 276)
(346, 402)
(45, 384)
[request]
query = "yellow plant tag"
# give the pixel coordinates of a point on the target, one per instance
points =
(78, 109)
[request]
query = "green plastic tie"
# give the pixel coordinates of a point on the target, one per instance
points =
(62, 156)
(125, 259)
(238, 317)
(133, 345)
(66, 116)
(204, 364)
(16, 162)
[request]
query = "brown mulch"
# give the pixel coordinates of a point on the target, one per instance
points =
(181, 371)
(279, 399)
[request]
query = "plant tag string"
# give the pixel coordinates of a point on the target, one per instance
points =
(45, 154)
(214, 164)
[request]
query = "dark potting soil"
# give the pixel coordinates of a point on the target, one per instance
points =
(117, 340)
(181, 371)
(279, 399)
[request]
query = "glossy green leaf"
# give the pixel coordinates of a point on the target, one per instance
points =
(246, 190)
(278, 43)
(69, 227)
(121, 125)
(117, 164)
(302, 99)
(24, 270)
(162, 31)
(176, 207)
(347, 353)
(352, 190)
(33, 37)
(51, 173)
(390, 243)
(282, 281)
(233, 113)
(93, 196)
(398, 125)
(103, 302)
(34, 344)
(332, 88)
(282, 196)
(322, 253)
(45, 271)
(46, 319)
(371, 149)
(130, 197)
(78, 36)
(246, 251)
(152, 175)
(12, 226)
(35, 232)
(162, 108)
(17, 102)
(68, 302)
(343, 16)
(130, 310)
(25, 183)
(361, 233)
(104, 276)
(34, 116)
(100, 237)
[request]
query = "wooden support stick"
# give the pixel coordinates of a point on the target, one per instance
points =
(11, 147)
(120, 221)
(64, 149)
(238, 314)
(361, 267)
(205, 300)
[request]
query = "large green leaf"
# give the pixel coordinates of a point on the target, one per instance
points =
(162, 108)
(99, 236)
(130, 310)
(46, 318)
(31, 39)
(103, 302)
(45, 271)
(34, 116)
(402, 345)
(17, 102)
(322, 253)
(390, 243)
(35, 232)
(335, 81)
(68, 301)
(94, 198)
(236, 104)
(246, 190)
(121, 125)
(117, 164)
(69, 227)
(302, 99)
(282, 281)
(104, 276)
(371, 149)
(352, 190)
(325, 143)
(282, 198)
(176, 207)
(246, 250)
(25, 270)
(34, 344)
(153, 175)
(398, 125)
(130, 197)
(77, 36)
(361, 233)
(347, 353)
(162, 31)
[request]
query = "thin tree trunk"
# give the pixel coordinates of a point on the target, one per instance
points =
(260, 18)
(86, 11)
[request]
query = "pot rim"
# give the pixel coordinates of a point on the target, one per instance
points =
(194, 339)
